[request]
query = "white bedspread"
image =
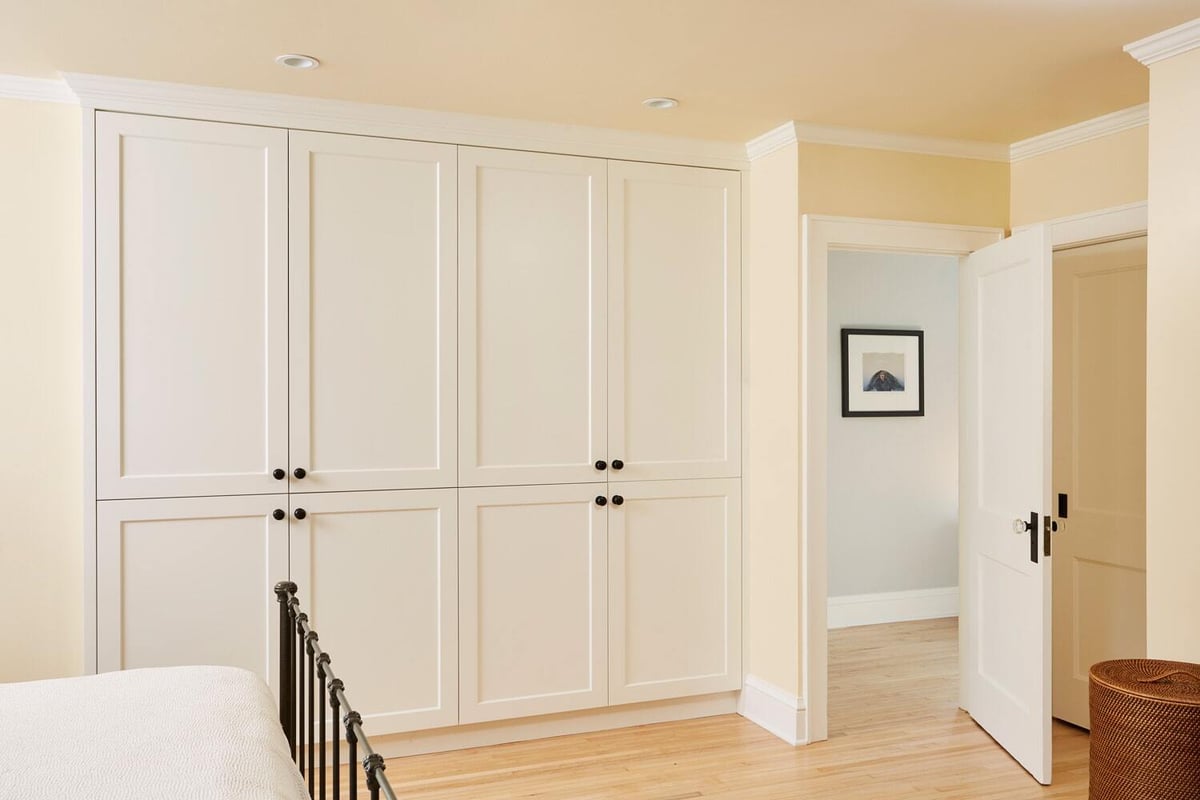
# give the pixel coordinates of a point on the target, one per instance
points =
(208, 733)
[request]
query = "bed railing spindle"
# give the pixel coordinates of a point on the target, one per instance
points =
(373, 766)
(322, 660)
(351, 719)
(300, 619)
(336, 686)
(309, 640)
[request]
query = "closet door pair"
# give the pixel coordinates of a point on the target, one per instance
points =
(275, 310)
(598, 320)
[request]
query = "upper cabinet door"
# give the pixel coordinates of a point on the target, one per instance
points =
(191, 307)
(674, 408)
(532, 318)
(372, 313)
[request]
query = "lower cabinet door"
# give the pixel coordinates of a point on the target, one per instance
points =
(532, 582)
(190, 581)
(376, 573)
(675, 590)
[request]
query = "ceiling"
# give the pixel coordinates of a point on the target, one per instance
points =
(985, 70)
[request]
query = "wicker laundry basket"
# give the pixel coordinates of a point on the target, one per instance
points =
(1145, 742)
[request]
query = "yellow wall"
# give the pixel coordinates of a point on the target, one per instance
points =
(1172, 347)
(772, 423)
(1103, 173)
(41, 406)
(881, 184)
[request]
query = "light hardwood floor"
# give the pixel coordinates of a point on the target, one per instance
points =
(895, 732)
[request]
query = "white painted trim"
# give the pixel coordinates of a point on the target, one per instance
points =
(923, 145)
(772, 140)
(18, 87)
(1165, 44)
(773, 709)
(850, 610)
(486, 734)
(339, 116)
(820, 235)
(1119, 222)
(1081, 132)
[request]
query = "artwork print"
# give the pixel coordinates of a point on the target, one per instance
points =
(883, 373)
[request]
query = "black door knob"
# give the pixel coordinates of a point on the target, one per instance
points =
(299, 472)
(300, 513)
(617, 463)
(278, 474)
(601, 465)
(279, 513)
(618, 500)
(601, 500)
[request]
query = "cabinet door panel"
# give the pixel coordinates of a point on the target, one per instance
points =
(191, 307)
(372, 313)
(532, 580)
(532, 318)
(674, 406)
(189, 581)
(377, 575)
(675, 594)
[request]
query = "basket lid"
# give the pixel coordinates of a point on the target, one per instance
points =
(1171, 681)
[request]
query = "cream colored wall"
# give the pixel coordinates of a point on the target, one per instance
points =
(40, 408)
(882, 184)
(1172, 347)
(772, 423)
(1103, 173)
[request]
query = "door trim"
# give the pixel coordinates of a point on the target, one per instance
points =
(819, 235)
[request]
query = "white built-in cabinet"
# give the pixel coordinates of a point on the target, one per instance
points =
(481, 405)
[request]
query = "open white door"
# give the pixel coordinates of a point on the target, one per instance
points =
(1004, 491)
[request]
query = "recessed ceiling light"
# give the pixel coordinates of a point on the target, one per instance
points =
(660, 102)
(297, 61)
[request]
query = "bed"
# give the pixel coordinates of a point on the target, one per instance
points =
(194, 733)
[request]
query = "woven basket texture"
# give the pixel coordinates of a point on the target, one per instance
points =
(1145, 741)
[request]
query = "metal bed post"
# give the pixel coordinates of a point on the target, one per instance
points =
(352, 720)
(335, 688)
(301, 619)
(310, 640)
(322, 662)
(283, 592)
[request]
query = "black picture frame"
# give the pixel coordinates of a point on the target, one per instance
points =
(847, 333)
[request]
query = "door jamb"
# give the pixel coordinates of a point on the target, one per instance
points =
(821, 234)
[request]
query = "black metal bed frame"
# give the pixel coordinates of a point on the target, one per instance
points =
(296, 641)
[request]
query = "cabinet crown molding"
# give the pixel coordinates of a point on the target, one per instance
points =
(19, 87)
(1166, 44)
(340, 116)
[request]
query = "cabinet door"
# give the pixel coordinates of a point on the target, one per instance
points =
(372, 313)
(675, 591)
(532, 583)
(190, 581)
(674, 408)
(191, 307)
(532, 318)
(376, 573)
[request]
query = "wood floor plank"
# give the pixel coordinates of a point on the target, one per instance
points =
(895, 733)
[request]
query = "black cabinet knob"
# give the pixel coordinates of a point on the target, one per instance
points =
(601, 500)
(618, 500)
(279, 474)
(617, 463)
(300, 513)
(299, 472)
(279, 513)
(601, 465)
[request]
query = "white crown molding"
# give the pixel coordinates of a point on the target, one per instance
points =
(1166, 44)
(293, 111)
(901, 143)
(771, 141)
(769, 707)
(1081, 132)
(18, 87)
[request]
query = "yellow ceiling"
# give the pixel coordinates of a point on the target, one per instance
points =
(988, 70)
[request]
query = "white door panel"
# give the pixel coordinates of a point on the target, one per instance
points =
(372, 313)
(674, 408)
(1099, 464)
(532, 318)
(190, 581)
(1005, 330)
(377, 575)
(191, 307)
(532, 582)
(675, 569)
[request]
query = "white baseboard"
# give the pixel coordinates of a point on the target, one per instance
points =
(875, 609)
(773, 709)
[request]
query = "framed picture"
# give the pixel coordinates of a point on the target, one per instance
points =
(883, 373)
